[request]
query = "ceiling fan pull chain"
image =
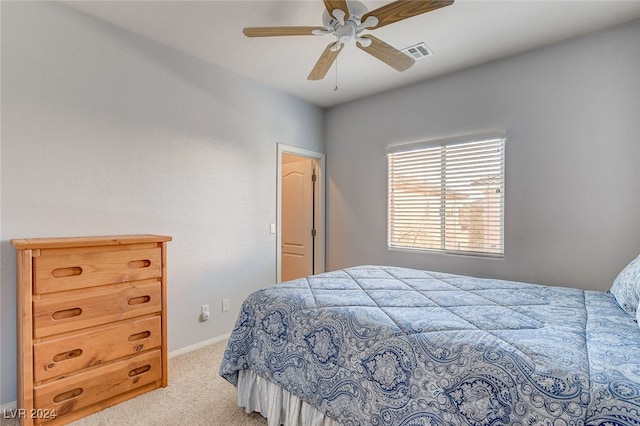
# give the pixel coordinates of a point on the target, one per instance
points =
(339, 14)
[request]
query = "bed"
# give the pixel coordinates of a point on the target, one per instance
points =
(382, 345)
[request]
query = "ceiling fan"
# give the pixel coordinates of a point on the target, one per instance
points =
(346, 20)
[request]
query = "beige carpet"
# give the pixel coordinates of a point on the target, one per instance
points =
(196, 396)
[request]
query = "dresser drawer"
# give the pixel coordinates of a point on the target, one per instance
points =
(99, 345)
(73, 270)
(98, 384)
(53, 315)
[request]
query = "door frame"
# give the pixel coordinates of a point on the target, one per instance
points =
(319, 242)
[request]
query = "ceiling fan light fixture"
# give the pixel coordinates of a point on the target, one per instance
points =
(364, 42)
(337, 46)
(339, 14)
(371, 21)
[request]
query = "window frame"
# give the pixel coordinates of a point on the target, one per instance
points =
(450, 141)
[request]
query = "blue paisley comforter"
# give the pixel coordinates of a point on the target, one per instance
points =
(376, 345)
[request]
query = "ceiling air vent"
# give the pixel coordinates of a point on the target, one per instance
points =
(418, 51)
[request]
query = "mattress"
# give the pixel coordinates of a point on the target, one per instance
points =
(381, 345)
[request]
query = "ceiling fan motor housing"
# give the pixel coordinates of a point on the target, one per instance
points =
(348, 29)
(346, 32)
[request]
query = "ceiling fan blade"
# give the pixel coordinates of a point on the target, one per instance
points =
(387, 53)
(331, 5)
(325, 61)
(403, 9)
(279, 31)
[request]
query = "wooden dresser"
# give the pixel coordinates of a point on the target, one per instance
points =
(92, 324)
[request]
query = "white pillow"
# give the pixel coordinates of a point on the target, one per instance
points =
(626, 287)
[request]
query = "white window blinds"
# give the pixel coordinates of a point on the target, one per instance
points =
(448, 197)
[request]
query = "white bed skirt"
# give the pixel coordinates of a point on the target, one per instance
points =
(280, 407)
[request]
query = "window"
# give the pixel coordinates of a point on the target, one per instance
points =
(448, 195)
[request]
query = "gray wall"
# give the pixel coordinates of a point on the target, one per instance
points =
(572, 113)
(104, 132)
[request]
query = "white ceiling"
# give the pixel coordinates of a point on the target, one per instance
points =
(467, 33)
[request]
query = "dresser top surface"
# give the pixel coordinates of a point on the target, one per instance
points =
(106, 240)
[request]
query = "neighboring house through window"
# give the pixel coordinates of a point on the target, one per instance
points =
(447, 195)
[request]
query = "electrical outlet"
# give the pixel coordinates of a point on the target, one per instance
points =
(225, 305)
(204, 312)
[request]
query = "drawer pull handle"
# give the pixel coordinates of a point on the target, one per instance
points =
(139, 300)
(71, 271)
(67, 395)
(139, 336)
(67, 355)
(139, 370)
(137, 264)
(67, 313)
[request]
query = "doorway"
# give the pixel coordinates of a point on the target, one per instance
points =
(301, 236)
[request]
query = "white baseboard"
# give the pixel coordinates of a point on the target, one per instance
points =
(198, 345)
(14, 404)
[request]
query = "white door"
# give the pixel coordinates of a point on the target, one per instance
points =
(297, 216)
